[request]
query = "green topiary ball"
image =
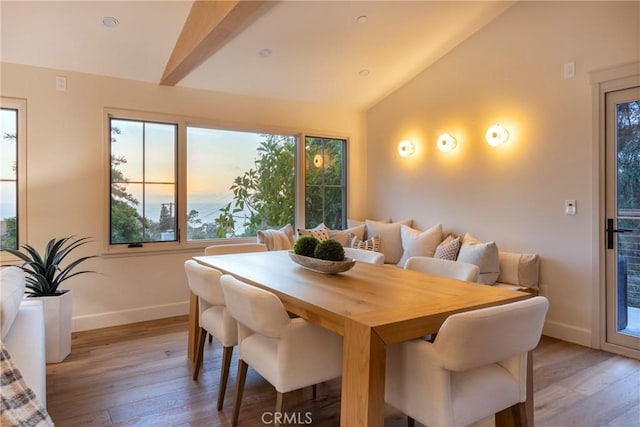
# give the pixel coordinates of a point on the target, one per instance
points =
(330, 250)
(305, 246)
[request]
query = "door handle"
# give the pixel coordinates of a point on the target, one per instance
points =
(610, 230)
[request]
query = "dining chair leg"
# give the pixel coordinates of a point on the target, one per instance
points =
(279, 409)
(512, 416)
(411, 422)
(227, 352)
(240, 380)
(202, 335)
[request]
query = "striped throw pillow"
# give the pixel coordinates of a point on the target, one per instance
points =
(371, 244)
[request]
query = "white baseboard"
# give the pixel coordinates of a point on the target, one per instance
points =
(565, 332)
(115, 318)
(552, 329)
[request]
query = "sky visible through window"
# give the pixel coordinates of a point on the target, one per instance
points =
(8, 157)
(214, 159)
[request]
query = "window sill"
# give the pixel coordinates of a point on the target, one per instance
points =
(152, 249)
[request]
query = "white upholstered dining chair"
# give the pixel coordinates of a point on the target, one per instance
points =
(234, 248)
(213, 319)
(476, 366)
(289, 353)
(363, 255)
(444, 268)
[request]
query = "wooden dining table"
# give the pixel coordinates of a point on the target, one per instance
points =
(371, 306)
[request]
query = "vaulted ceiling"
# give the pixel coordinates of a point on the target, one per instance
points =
(344, 53)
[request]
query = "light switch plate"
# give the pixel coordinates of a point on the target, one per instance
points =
(61, 83)
(570, 207)
(569, 70)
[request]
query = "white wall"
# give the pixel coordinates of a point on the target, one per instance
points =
(510, 72)
(67, 192)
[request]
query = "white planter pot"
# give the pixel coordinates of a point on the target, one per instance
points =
(57, 325)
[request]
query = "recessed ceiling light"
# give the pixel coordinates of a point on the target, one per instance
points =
(363, 73)
(361, 19)
(265, 53)
(110, 21)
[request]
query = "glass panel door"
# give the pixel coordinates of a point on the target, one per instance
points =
(623, 217)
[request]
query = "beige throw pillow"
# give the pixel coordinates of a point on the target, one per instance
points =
(484, 255)
(342, 235)
(277, 240)
(519, 269)
(390, 239)
(419, 243)
(356, 222)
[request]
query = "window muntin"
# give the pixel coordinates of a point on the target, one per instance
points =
(143, 181)
(238, 182)
(325, 188)
(9, 138)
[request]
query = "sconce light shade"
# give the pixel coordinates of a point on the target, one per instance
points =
(318, 161)
(406, 148)
(446, 142)
(496, 135)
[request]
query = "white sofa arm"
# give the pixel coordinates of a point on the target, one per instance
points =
(25, 343)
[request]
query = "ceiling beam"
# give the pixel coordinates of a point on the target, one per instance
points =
(209, 26)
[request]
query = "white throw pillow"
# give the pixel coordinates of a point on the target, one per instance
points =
(277, 240)
(342, 235)
(419, 243)
(390, 239)
(485, 255)
(12, 286)
(320, 232)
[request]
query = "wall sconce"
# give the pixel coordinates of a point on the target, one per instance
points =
(446, 142)
(496, 135)
(406, 148)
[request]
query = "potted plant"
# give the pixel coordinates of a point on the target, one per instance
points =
(44, 275)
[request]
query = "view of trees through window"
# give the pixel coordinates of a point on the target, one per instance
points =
(628, 140)
(143, 181)
(628, 196)
(9, 178)
(236, 182)
(325, 192)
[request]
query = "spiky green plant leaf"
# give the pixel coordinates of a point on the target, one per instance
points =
(44, 273)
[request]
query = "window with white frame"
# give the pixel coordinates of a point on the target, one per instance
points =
(12, 173)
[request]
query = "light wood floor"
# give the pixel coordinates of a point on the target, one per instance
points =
(138, 375)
